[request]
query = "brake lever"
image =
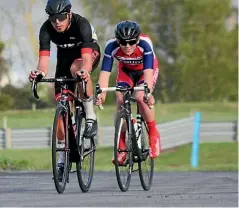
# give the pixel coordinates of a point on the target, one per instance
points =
(97, 93)
(147, 94)
(34, 89)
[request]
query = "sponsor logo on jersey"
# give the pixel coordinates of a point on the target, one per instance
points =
(138, 60)
(69, 45)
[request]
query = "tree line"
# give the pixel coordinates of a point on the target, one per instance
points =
(197, 50)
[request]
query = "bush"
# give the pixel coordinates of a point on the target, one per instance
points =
(6, 101)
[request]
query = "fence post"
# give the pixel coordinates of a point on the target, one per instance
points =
(49, 135)
(8, 138)
(4, 122)
(235, 130)
(2, 138)
(98, 137)
(195, 144)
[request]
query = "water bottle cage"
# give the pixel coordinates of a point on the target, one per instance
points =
(139, 125)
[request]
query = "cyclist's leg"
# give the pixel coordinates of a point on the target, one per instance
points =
(123, 80)
(91, 122)
(149, 115)
(61, 71)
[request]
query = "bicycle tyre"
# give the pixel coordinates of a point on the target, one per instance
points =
(145, 179)
(84, 175)
(123, 184)
(60, 186)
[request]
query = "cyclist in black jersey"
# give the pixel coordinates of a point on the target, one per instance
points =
(77, 50)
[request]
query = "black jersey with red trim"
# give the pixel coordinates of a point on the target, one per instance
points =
(80, 35)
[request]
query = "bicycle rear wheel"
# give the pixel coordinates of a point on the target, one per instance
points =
(86, 149)
(61, 117)
(123, 171)
(146, 166)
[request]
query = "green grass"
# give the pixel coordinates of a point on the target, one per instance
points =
(213, 157)
(217, 111)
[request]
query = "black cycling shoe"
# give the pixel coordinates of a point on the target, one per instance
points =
(60, 170)
(91, 128)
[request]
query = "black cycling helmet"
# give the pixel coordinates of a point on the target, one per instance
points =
(58, 6)
(127, 30)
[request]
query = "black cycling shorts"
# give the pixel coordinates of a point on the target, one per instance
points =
(63, 69)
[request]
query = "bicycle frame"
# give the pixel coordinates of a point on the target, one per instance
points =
(67, 104)
(126, 107)
(65, 93)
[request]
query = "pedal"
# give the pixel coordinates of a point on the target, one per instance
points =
(125, 163)
(74, 156)
(145, 154)
(135, 159)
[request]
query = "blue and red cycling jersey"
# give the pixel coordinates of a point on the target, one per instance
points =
(130, 68)
(143, 57)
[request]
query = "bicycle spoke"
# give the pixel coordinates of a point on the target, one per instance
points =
(146, 166)
(86, 148)
(60, 146)
(124, 170)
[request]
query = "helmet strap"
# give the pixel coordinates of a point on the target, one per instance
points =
(69, 22)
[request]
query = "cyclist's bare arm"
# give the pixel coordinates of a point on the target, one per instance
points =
(106, 66)
(86, 65)
(44, 50)
(104, 79)
(148, 64)
(43, 64)
(87, 59)
(148, 78)
(87, 44)
(105, 73)
(41, 69)
(103, 82)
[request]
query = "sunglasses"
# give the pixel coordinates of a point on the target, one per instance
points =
(130, 42)
(60, 17)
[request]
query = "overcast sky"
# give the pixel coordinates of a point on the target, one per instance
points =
(19, 50)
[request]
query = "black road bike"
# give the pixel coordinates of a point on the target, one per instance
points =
(75, 147)
(137, 141)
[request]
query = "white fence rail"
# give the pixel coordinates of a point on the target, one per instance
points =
(218, 131)
(176, 133)
(173, 134)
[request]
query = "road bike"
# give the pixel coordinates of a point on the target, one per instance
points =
(137, 141)
(75, 146)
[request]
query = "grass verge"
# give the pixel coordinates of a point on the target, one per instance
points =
(211, 111)
(213, 157)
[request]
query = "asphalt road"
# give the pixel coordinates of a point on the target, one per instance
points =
(173, 189)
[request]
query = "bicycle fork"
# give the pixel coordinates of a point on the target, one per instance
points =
(133, 144)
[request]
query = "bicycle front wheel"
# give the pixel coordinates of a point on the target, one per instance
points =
(146, 166)
(60, 146)
(86, 149)
(123, 170)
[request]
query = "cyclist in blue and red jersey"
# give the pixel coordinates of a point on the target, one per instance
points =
(137, 65)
